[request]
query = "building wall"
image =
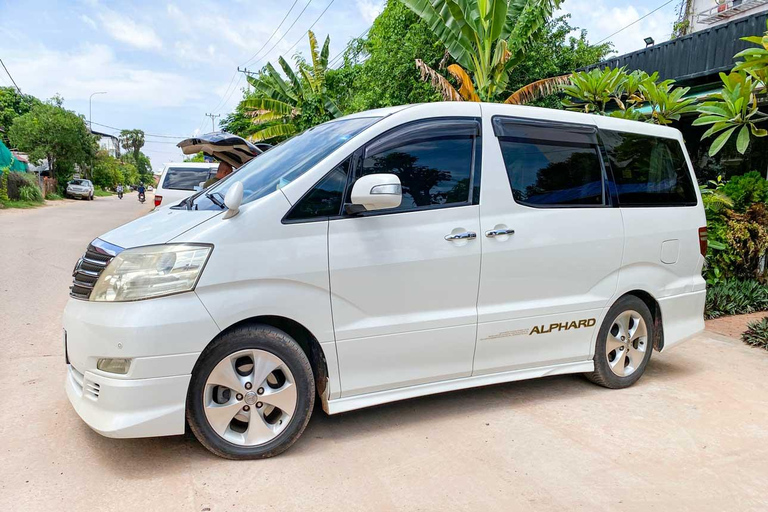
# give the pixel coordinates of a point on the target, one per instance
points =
(701, 8)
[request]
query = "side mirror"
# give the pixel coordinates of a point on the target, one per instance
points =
(233, 199)
(377, 192)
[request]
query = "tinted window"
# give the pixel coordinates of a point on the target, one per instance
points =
(185, 178)
(431, 172)
(324, 200)
(648, 171)
(548, 173)
(287, 161)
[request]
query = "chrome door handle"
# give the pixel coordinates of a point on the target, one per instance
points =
(467, 235)
(499, 232)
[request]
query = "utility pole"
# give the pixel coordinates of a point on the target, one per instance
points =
(213, 116)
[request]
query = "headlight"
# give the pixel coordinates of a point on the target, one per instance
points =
(152, 271)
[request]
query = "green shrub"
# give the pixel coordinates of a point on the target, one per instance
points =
(757, 333)
(30, 193)
(735, 297)
(53, 197)
(746, 190)
(4, 184)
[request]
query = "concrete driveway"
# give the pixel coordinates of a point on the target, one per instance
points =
(691, 435)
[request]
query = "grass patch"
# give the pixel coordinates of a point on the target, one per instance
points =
(735, 297)
(757, 333)
(53, 197)
(102, 193)
(19, 204)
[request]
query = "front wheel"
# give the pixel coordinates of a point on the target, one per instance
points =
(251, 393)
(624, 344)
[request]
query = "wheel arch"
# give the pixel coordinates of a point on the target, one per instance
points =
(655, 309)
(306, 340)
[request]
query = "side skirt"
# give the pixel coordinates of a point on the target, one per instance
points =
(382, 397)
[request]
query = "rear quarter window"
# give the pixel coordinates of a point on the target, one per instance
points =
(648, 171)
(185, 178)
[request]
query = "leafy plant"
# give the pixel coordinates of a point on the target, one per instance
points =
(487, 39)
(302, 95)
(4, 172)
(757, 333)
(594, 91)
(30, 193)
(734, 297)
(746, 190)
(734, 107)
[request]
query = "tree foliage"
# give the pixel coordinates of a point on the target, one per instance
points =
(108, 171)
(12, 105)
(291, 105)
(49, 132)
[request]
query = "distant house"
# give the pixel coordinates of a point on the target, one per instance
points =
(109, 143)
(695, 60)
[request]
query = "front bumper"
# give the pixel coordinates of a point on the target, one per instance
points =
(163, 339)
(79, 193)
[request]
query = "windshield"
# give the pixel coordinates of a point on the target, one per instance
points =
(284, 163)
(83, 183)
(186, 178)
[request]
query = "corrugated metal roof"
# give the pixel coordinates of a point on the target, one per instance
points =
(697, 57)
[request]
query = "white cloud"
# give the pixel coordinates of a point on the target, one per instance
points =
(369, 9)
(95, 68)
(88, 21)
(126, 30)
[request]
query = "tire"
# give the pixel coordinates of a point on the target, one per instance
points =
(245, 436)
(620, 363)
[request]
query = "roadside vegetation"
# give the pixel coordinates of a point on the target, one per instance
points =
(19, 190)
(757, 334)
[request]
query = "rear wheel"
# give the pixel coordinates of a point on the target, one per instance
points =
(251, 394)
(624, 344)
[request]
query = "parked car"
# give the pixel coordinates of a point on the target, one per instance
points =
(82, 189)
(179, 181)
(150, 188)
(387, 255)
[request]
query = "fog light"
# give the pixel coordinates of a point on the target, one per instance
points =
(120, 366)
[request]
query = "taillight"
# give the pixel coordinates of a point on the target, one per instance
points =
(159, 199)
(703, 241)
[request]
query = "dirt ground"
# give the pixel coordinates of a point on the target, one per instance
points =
(733, 326)
(691, 435)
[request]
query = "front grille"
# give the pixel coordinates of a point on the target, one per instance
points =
(90, 266)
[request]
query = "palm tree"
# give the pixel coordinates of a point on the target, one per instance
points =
(487, 39)
(280, 102)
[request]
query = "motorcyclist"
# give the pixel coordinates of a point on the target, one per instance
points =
(141, 192)
(120, 190)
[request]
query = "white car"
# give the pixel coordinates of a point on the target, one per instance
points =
(180, 180)
(82, 189)
(386, 255)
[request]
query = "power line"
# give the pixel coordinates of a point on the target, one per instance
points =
(146, 134)
(638, 19)
(310, 28)
(286, 32)
(9, 76)
(275, 32)
(349, 44)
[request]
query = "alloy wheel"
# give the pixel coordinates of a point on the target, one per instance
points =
(250, 397)
(627, 342)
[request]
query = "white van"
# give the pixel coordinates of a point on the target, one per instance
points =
(386, 255)
(181, 180)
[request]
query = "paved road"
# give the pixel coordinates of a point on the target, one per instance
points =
(691, 435)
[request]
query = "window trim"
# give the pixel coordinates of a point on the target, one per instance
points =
(615, 190)
(350, 164)
(359, 154)
(496, 120)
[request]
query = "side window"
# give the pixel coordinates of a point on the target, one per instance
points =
(550, 166)
(324, 199)
(433, 159)
(648, 171)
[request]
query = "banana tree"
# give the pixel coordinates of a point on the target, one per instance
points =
(281, 102)
(487, 39)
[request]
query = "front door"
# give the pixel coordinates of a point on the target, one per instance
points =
(551, 241)
(404, 281)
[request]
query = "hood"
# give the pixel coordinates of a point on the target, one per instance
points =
(157, 227)
(222, 146)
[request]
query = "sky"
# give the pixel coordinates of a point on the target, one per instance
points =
(165, 64)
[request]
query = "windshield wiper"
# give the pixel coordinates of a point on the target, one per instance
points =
(217, 202)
